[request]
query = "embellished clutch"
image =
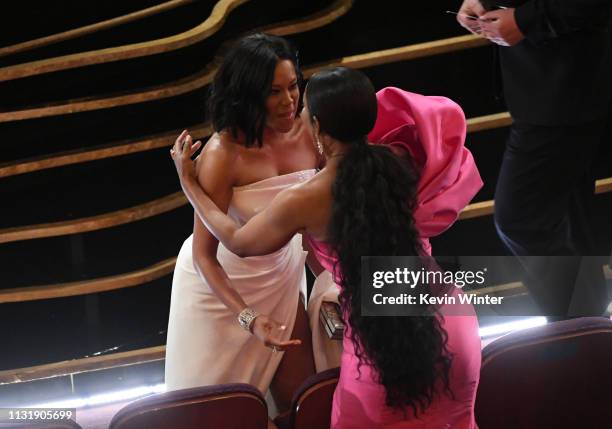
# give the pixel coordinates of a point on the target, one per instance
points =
(329, 316)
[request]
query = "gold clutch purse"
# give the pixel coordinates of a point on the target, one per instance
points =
(329, 316)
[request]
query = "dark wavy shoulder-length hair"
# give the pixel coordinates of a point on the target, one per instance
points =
(243, 82)
(374, 196)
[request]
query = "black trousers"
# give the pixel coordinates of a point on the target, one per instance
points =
(543, 202)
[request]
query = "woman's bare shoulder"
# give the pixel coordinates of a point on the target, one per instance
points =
(220, 147)
(222, 144)
(312, 192)
(218, 156)
(308, 204)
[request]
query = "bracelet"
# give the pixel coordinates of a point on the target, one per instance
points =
(246, 318)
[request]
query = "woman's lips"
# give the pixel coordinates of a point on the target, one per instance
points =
(287, 115)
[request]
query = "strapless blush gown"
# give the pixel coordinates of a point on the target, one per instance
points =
(205, 344)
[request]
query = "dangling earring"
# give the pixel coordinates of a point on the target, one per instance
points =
(319, 146)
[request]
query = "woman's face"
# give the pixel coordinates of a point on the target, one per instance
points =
(282, 102)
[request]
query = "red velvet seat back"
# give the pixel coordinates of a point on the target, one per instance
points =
(228, 406)
(554, 376)
(312, 402)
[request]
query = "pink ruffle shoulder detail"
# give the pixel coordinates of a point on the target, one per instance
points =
(433, 130)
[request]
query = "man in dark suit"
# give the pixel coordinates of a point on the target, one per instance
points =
(556, 65)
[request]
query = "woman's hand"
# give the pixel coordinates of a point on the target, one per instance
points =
(181, 152)
(268, 329)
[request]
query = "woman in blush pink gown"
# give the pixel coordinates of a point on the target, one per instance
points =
(396, 372)
(259, 148)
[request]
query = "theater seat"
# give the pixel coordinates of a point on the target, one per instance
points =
(554, 376)
(311, 404)
(228, 406)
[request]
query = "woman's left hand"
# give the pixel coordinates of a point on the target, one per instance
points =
(181, 152)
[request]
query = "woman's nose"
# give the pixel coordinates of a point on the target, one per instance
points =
(288, 97)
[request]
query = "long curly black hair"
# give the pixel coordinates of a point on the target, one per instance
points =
(374, 196)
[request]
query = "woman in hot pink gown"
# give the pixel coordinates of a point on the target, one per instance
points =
(430, 131)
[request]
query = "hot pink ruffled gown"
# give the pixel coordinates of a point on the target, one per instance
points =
(433, 130)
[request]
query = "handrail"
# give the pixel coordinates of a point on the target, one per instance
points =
(151, 354)
(173, 201)
(164, 267)
(61, 159)
(402, 53)
(182, 86)
(483, 208)
(84, 287)
(515, 288)
(203, 130)
(603, 186)
(486, 208)
(315, 20)
(93, 223)
(92, 28)
(76, 366)
(135, 50)
(488, 122)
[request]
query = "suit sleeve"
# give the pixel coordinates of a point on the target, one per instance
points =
(541, 20)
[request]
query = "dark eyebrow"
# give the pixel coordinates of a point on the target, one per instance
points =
(293, 82)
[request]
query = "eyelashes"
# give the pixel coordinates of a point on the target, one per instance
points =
(292, 87)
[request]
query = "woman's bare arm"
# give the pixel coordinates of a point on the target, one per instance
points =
(215, 176)
(266, 232)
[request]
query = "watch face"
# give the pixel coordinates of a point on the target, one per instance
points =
(245, 318)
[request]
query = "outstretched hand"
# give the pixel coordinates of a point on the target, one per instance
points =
(181, 152)
(268, 330)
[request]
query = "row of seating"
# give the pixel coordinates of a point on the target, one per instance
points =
(554, 376)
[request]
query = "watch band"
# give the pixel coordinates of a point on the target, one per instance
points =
(246, 318)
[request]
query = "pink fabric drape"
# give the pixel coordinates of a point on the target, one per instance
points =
(433, 130)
